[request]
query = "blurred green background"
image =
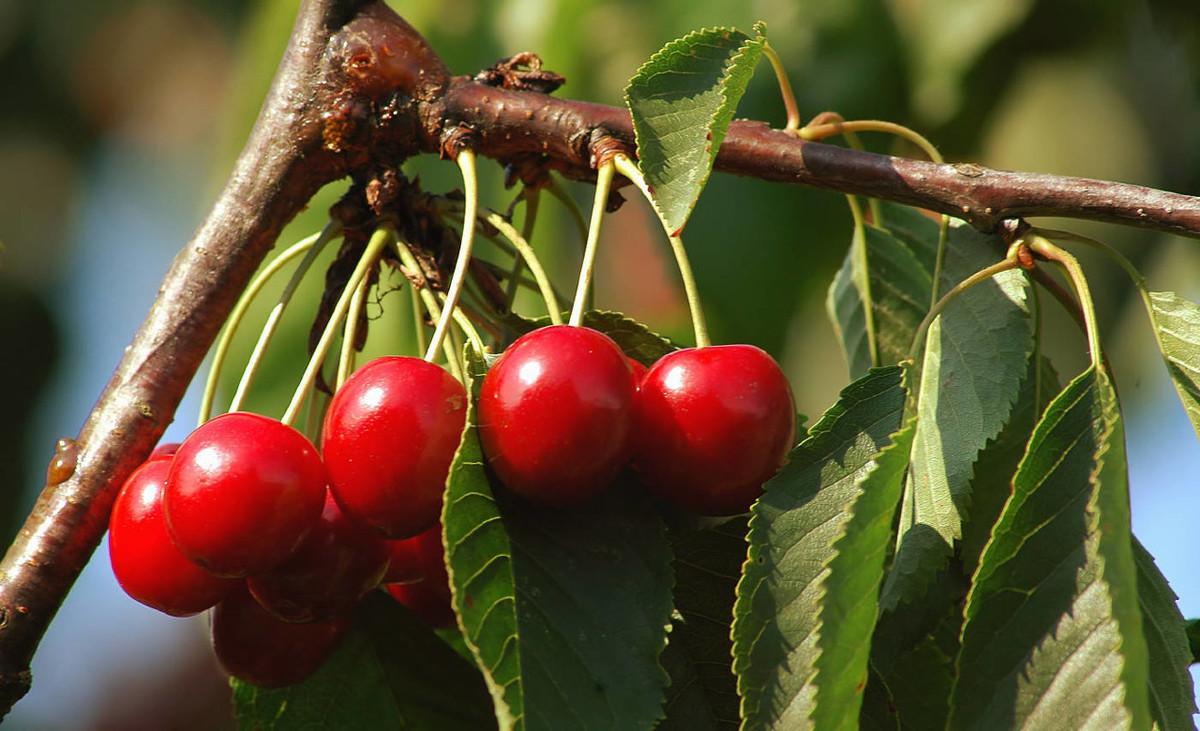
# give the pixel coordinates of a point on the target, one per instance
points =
(121, 119)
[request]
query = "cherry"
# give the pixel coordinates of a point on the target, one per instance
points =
(713, 424)
(145, 560)
(428, 596)
(637, 372)
(259, 649)
(242, 494)
(166, 449)
(335, 567)
(555, 414)
(405, 564)
(390, 434)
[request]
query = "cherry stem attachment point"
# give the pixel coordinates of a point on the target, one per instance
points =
(785, 90)
(532, 197)
(380, 239)
(603, 185)
(311, 247)
(525, 250)
(466, 163)
(630, 170)
(1041, 246)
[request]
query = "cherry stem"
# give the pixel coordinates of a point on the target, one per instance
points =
(418, 318)
(350, 334)
(526, 252)
(430, 303)
(604, 178)
(690, 290)
(531, 197)
(1047, 250)
(464, 323)
(466, 163)
(313, 246)
(380, 239)
(1008, 263)
(785, 90)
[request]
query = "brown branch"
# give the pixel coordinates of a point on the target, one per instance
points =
(357, 91)
(513, 125)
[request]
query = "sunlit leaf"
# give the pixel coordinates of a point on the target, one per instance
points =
(1177, 326)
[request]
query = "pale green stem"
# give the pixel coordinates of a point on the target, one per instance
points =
(431, 306)
(532, 198)
(418, 320)
(785, 90)
(379, 240)
(1044, 248)
(978, 277)
(466, 163)
(627, 168)
(603, 185)
(464, 323)
(521, 244)
(350, 334)
(312, 245)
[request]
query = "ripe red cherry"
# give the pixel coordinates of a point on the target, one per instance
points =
(390, 434)
(428, 596)
(555, 414)
(713, 424)
(145, 560)
(637, 371)
(340, 561)
(242, 494)
(166, 449)
(261, 650)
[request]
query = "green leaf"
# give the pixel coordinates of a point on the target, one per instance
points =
(879, 297)
(391, 671)
(1053, 636)
(638, 341)
(565, 611)
(976, 356)
(1177, 327)
(699, 654)
(682, 101)
(1172, 698)
(818, 538)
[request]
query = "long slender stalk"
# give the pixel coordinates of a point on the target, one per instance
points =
(522, 246)
(350, 334)
(603, 184)
(375, 246)
(1047, 250)
(785, 90)
(311, 247)
(978, 277)
(691, 291)
(532, 197)
(431, 306)
(466, 163)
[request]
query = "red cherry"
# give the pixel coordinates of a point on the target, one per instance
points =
(405, 565)
(335, 567)
(637, 371)
(261, 650)
(242, 494)
(166, 449)
(429, 595)
(555, 414)
(145, 560)
(390, 434)
(713, 424)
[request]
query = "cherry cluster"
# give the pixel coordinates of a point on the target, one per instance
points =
(247, 516)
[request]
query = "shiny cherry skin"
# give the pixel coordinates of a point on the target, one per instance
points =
(145, 560)
(166, 449)
(555, 413)
(262, 650)
(243, 492)
(713, 424)
(637, 372)
(390, 434)
(428, 596)
(338, 563)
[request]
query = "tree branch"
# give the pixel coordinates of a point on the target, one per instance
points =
(514, 125)
(358, 91)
